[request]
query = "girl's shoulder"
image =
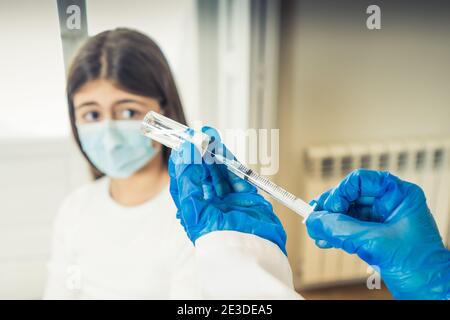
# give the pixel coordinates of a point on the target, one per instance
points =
(87, 191)
(73, 204)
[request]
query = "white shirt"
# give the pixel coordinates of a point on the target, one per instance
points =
(102, 250)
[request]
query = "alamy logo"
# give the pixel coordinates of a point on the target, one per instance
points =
(373, 21)
(73, 278)
(74, 19)
(374, 279)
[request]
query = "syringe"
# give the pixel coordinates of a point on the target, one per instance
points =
(173, 134)
(278, 193)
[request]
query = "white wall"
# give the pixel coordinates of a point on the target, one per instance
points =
(32, 71)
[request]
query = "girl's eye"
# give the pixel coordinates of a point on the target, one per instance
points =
(91, 116)
(128, 114)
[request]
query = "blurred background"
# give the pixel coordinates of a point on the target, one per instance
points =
(343, 96)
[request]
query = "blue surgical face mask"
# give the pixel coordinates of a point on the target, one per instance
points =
(116, 148)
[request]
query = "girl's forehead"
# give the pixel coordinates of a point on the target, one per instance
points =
(104, 92)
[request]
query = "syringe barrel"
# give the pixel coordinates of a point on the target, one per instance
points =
(302, 208)
(285, 197)
(278, 193)
(171, 133)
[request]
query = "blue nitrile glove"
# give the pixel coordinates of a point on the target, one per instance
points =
(387, 223)
(210, 198)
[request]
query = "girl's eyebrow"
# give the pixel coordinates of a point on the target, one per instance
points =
(128, 101)
(86, 104)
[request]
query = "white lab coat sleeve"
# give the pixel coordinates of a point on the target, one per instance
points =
(61, 272)
(235, 265)
(184, 283)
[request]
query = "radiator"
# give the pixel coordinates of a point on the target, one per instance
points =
(424, 162)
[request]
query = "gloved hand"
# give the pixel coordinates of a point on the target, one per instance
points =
(210, 198)
(387, 223)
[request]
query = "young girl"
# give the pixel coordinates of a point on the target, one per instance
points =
(118, 237)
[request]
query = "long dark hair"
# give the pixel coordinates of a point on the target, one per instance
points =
(133, 62)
